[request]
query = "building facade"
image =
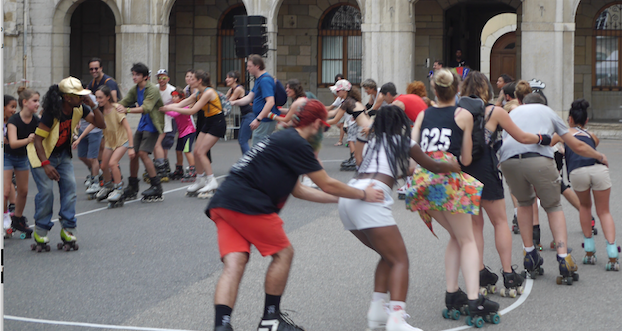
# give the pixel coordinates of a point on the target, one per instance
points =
(571, 45)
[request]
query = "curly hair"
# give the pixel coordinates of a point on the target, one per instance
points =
(417, 88)
(53, 101)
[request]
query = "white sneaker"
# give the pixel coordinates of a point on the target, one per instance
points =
(402, 190)
(377, 315)
(94, 188)
(306, 181)
(7, 221)
(198, 184)
(396, 322)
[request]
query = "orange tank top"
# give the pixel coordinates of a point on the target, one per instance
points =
(212, 107)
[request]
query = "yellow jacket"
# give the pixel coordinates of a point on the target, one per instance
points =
(49, 141)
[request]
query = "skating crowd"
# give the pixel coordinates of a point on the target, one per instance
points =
(453, 149)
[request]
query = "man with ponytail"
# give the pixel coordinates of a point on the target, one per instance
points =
(50, 158)
(245, 210)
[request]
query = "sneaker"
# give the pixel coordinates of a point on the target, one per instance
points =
(397, 322)
(306, 181)
(278, 321)
(377, 315)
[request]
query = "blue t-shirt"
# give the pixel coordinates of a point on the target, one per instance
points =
(145, 123)
(264, 87)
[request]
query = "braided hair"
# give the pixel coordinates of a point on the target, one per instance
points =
(53, 102)
(391, 130)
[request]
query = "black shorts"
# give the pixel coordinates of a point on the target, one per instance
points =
(215, 125)
(184, 144)
(485, 170)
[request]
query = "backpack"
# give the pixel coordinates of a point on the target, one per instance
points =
(477, 108)
(280, 96)
(224, 103)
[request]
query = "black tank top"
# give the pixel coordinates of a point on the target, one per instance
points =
(439, 131)
(574, 160)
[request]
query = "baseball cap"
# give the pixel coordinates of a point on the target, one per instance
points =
(162, 72)
(341, 85)
(72, 85)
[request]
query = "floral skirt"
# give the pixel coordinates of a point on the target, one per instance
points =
(457, 193)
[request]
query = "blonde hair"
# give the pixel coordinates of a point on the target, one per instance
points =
(445, 84)
(522, 89)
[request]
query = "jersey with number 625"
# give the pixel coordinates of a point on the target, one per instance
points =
(439, 131)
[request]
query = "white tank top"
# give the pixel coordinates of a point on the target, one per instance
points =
(380, 166)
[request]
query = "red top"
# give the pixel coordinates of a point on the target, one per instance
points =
(413, 105)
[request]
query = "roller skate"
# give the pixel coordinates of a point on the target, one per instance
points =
(349, 164)
(397, 322)
(146, 177)
(401, 192)
(482, 310)
(209, 189)
(536, 237)
(41, 243)
(104, 191)
(21, 224)
(457, 304)
(8, 231)
(162, 171)
(69, 240)
(131, 191)
(532, 263)
(153, 193)
(594, 229)
(590, 251)
(487, 281)
(190, 176)
(513, 283)
(88, 181)
(11, 208)
(193, 190)
(92, 190)
(377, 315)
(278, 321)
(613, 251)
(515, 228)
(178, 174)
(567, 270)
(115, 197)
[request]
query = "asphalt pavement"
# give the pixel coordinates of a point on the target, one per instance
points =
(154, 266)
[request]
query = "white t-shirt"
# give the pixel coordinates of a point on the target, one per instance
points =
(381, 166)
(167, 99)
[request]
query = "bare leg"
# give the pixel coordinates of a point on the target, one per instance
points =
(571, 196)
(105, 165)
(557, 222)
(114, 163)
(278, 271)
(601, 200)
(229, 281)
(495, 210)
(383, 269)
(144, 156)
(585, 212)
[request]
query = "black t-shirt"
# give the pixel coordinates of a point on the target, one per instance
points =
(64, 129)
(262, 180)
(23, 131)
(106, 80)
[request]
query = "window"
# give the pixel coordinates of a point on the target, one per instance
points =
(607, 47)
(227, 61)
(340, 45)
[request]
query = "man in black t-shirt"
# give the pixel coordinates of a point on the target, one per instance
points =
(50, 158)
(245, 209)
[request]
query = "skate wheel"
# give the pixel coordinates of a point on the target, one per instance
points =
(455, 315)
(502, 292)
(558, 280)
(596, 231)
(520, 290)
(33, 247)
(469, 321)
(401, 196)
(76, 247)
(47, 248)
(575, 277)
(496, 319)
(59, 246)
(553, 245)
(541, 271)
(479, 322)
(445, 314)
(568, 280)
(512, 294)
(483, 291)
(493, 289)
(38, 249)
(22, 236)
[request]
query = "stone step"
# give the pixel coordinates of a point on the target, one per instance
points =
(606, 130)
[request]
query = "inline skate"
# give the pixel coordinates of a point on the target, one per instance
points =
(68, 236)
(190, 176)
(20, 224)
(613, 251)
(209, 189)
(131, 191)
(457, 304)
(533, 264)
(483, 310)
(41, 243)
(590, 251)
(349, 164)
(178, 174)
(193, 190)
(104, 191)
(567, 270)
(513, 283)
(92, 190)
(487, 281)
(153, 193)
(115, 198)
(162, 171)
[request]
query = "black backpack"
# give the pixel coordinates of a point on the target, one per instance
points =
(477, 108)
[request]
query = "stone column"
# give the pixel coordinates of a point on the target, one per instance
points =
(388, 42)
(547, 51)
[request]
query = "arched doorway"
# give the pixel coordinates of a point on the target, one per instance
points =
(503, 58)
(92, 35)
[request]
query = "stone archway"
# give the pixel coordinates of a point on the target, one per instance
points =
(61, 34)
(493, 30)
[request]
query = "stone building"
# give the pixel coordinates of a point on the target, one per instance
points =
(571, 45)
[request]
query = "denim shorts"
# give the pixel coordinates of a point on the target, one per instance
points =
(16, 162)
(89, 145)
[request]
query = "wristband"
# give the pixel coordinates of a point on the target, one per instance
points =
(257, 119)
(272, 115)
(44, 163)
(127, 111)
(364, 195)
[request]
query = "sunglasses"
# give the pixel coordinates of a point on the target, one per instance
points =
(93, 69)
(163, 78)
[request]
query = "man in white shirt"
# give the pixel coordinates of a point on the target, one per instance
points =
(166, 139)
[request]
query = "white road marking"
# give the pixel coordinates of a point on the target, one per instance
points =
(86, 325)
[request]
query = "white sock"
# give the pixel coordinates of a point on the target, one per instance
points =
(529, 249)
(376, 296)
(201, 175)
(563, 256)
(516, 212)
(397, 305)
(209, 177)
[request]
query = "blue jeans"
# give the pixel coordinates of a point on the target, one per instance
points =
(245, 132)
(44, 200)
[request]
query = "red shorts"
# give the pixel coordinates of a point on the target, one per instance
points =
(237, 231)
